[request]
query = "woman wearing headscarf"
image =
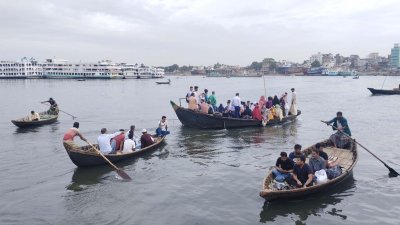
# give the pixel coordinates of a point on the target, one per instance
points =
(256, 114)
(262, 101)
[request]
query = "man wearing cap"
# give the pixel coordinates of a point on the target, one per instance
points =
(146, 139)
(293, 106)
(104, 141)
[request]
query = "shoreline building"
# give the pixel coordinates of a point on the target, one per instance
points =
(395, 56)
(27, 68)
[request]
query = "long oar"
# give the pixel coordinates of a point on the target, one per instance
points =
(392, 172)
(120, 172)
(73, 117)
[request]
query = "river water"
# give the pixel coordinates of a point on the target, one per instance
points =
(197, 177)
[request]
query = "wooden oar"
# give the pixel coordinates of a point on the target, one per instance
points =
(73, 117)
(392, 172)
(120, 172)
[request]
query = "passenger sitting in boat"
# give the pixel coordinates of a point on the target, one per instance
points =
(129, 144)
(278, 112)
(247, 113)
(316, 162)
(118, 141)
(71, 134)
(205, 95)
(203, 107)
(146, 139)
(283, 168)
(34, 116)
(321, 152)
(189, 94)
(162, 129)
(275, 101)
(210, 108)
(262, 101)
(302, 173)
(282, 101)
(269, 103)
(53, 106)
(104, 141)
(242, 108)
(221, 108)
(229, 109)
(256, 114)
(340, 124)
(296, 153)
(193, 102)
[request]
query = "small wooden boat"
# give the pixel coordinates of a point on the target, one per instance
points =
(45, 118)
(346, 159)
(356, 77)
(195, 119)
(83, 79)
(163, 82)
(384, 92)
(86, 156)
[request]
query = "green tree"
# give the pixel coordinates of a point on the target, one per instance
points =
(255, 65)
(217, 65)
(172, 68)
(316, 63)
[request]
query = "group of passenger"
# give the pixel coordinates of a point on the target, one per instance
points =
(120, 142)
(297, 173)
(263, 110)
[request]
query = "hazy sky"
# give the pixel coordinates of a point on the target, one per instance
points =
(195, 32)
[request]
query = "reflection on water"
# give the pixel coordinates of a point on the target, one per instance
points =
(310, 205)
(84, 177)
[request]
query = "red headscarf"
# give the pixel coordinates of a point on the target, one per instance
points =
(256, 114)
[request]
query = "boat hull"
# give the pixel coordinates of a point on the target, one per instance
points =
(22, 123)
(383, 92)
(82, 157)
(193, 119)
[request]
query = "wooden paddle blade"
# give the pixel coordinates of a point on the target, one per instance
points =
(123, 174)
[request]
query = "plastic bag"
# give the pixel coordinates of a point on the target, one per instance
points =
(321, 176)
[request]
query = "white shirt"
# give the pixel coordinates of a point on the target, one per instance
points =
(163, 125)
(236, 101)
(197, 96)
(104, 142)
(339, 125)
(129, 146)
(294, 98)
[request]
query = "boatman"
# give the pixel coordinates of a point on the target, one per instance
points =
(53, 106)
(339, 139)
(70, 134)
(34, 116)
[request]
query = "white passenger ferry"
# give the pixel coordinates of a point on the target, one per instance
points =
(59, 68)
(133, 71)
(27, 68)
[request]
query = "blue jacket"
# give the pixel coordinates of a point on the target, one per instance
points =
(342, 121)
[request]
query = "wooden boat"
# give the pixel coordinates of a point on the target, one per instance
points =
(45, 118)
(194, 119)
(356, 77)
(346, 158)
(384, 92)
(163, 82)
(86, 156)
(83, 79)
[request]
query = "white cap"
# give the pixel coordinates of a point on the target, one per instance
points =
(144, 131)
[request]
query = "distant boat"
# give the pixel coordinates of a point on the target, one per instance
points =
(356, 77)
(384, 92)
(164, 82)
(314, 71)
(81, 79)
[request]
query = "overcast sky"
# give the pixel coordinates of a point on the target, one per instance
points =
(195, 32)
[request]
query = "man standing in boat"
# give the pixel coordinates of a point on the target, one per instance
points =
(340, 124)
(293, 106)
(53, 106)
(71, 133)
(236, 103)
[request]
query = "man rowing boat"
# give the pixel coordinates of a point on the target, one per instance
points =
(340, 124)
(71, 134)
